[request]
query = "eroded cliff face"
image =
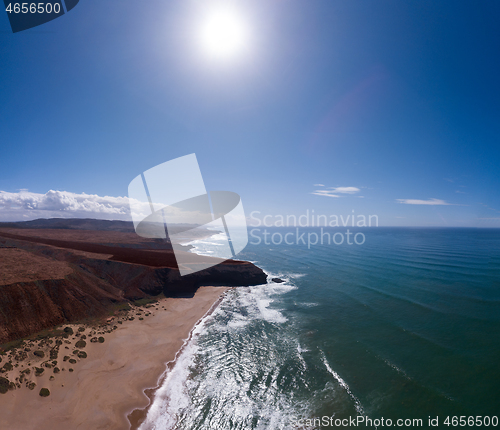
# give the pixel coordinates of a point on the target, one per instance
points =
(59, 284)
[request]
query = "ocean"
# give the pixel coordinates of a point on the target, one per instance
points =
(401, 328)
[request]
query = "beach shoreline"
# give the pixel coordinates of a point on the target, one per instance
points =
(139, 415)
(113, 387)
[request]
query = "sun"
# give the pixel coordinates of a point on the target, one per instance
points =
(223, 33)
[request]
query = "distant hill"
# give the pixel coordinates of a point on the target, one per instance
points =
(73, 224)
(83, 224)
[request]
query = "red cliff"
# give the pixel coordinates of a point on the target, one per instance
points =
(55, 276)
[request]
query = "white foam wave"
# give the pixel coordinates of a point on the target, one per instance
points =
(397, 369)
(173, 388)
(296, 275)
(246, 305)
(203, 246)
(308, 305)
(270, 315)
(158, 417)
(343, 384)
(300, 350)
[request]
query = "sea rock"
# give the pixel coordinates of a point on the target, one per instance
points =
(277, 280)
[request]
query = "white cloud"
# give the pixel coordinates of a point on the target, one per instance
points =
(25, 205)
(335, 191)
(325, 193)
(319, 185)
(346, 190)
(431, 202)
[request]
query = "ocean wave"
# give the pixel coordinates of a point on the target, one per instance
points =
(229, 375)
(307, 305)
(204, 246)
(250, 304)
(296, 275)
(343, 384)
(396, 368)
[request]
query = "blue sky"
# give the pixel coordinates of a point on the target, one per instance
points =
(397, 99)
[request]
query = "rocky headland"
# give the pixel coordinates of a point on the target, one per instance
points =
(55, 272)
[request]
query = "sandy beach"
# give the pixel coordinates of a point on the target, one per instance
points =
(108, 385)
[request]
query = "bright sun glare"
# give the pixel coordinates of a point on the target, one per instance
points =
(224, 33)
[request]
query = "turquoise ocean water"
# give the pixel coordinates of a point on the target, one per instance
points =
(404, 326)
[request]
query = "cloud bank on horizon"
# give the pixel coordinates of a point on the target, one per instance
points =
(25, 206)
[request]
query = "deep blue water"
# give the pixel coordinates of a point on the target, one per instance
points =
(404, 326)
